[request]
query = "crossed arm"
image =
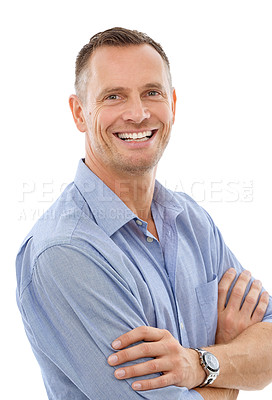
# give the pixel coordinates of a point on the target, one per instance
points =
(243, 347)
(67, 311)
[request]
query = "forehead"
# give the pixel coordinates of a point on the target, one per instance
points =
(126, 66)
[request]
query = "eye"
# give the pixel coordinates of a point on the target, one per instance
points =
(153, 93)
(113, 97)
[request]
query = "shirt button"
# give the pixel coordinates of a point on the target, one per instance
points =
(149, 239)
(138, 222)
(181, 325)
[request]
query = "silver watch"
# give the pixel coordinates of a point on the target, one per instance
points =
(210, 364)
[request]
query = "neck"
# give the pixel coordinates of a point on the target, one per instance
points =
(136, 191)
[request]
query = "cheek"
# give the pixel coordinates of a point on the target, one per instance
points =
(165, 116)
(163, 112)
(94, 118)
(102, 119)
(106, 119)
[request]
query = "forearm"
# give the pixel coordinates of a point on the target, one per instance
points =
(246, 362)
(209, 393)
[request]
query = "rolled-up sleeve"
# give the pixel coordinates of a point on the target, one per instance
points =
(73, 308)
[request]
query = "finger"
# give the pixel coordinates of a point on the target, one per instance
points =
(260, 310)
(251, 299)
(239, 290)
(143, 350)
(155, 383)
(149, 367)
(146, 333)
(224, 286)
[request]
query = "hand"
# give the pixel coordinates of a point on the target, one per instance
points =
(234, 319)
(180, 366)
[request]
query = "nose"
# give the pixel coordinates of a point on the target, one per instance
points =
(135, 111)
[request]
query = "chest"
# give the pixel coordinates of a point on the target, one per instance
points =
(174, 280)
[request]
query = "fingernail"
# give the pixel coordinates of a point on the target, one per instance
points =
(248, 273)
(258, 284)
(137, 386)
(116, 344)
(120, 373)
(113, 359)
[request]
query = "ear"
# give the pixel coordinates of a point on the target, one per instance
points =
(77, 111)
(174, 101)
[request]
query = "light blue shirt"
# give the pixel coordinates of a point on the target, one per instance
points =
(90, 271)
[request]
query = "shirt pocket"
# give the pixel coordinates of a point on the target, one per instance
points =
(207, 296)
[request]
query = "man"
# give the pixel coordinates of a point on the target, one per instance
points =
(130, 266)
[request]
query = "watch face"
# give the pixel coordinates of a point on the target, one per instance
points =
(211, 362)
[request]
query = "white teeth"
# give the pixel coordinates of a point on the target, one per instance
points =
(134, 135)
(138, 140)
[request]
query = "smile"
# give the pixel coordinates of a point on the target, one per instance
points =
(136, 136)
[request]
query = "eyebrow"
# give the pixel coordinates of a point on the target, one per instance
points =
(122, 89)
(154, 85)
(108, 90)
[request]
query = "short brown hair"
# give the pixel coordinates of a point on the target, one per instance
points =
(118, 37)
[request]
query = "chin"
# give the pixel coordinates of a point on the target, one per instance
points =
(139, 169)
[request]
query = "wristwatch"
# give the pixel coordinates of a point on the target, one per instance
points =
(210, 365)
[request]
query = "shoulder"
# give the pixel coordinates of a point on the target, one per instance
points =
(63, 221)
(68, 224)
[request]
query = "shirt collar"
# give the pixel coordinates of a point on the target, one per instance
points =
(109, 211)
(167, 198)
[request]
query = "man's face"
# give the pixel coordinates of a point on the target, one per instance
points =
(128, 109)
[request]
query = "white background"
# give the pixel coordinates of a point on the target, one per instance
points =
(220, 54)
